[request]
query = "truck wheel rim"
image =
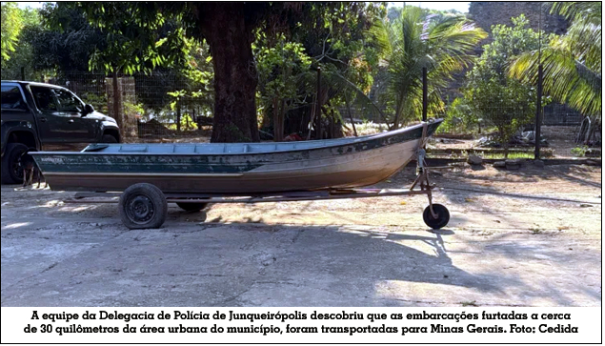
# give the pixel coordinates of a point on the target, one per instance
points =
(140, 209)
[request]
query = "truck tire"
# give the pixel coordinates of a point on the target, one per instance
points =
(143, 206)
(11, 172)
(109, 139)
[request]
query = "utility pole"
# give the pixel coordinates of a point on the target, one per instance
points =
(425, 100)
(538, 114)
(537, 133)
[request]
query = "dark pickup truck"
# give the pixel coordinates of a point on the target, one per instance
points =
(37, 116)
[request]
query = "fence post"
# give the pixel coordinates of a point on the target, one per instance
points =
(538, 114)
(178, 114)
(318, 111)
(424, 94)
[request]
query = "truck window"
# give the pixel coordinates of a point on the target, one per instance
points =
(45, 99)
(12, 98)
(68, 102)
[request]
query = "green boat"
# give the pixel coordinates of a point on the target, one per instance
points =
(235, 168)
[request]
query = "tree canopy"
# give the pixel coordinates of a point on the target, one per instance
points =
(572, 62)
(502, 101)
(443, 44)
(254, 65)
(12, 23)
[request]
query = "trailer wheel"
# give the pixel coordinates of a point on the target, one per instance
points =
(192, 207)
(143, 206)
(443, 216)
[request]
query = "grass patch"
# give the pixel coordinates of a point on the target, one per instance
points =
(579, 151)
(487, 155)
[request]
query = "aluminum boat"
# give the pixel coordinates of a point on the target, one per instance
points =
(235, 168)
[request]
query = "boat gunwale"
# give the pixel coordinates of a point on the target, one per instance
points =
(346, 141)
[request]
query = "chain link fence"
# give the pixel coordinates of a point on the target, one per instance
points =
(165, 107)
(160, 107)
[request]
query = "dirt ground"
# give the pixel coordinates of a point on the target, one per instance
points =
(530, 237)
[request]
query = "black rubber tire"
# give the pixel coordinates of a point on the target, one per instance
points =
(11, 173)
(443, 216)
(143, 206)
(192, 207)
(109, 139)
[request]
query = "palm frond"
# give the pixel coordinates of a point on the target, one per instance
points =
(565, 78)
(588, 12)
(442, 44)
(572, 63)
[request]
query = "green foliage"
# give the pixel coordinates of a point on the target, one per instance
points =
(61, 42)
(135, 40)
(579, 11)
(579, 151)
(282, 70)
(460, 117)
(134, 110)
(572, 62)
(12, 23)
(187, 123)
(508, 106)
(192, 83)
(443, 43)
(499, 100)
(23, 55)
(287, 64)
(99, 102)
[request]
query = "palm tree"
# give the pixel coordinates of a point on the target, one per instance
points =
(572, 62)
(442, 43)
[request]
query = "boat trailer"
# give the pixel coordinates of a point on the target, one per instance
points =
(144, 205)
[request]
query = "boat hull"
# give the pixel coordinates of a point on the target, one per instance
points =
(354, 163)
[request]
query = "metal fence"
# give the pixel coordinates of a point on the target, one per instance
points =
(164, 107)
(156, 107)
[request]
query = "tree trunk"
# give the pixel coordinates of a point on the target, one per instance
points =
(235, 79)
(504, 141)
(278, 124)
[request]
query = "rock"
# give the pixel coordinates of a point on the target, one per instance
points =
(500, 164)
(538, 163)
(475, 160)
(592, 163)
(513, 164)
